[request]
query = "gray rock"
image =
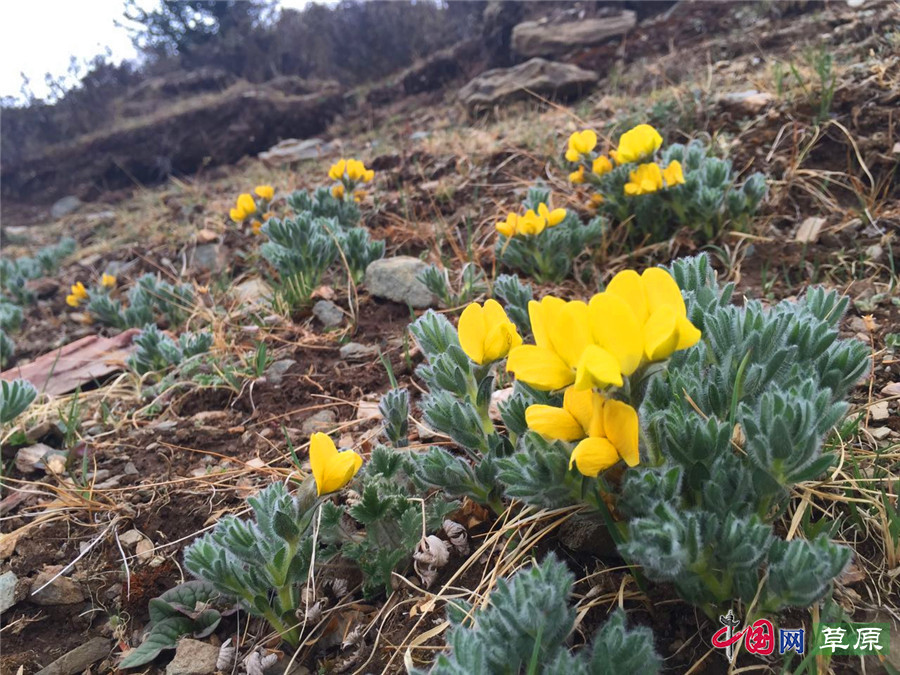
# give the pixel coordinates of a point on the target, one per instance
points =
(275, 372)
(60, 591)
(537, 76)
(540, 38)
(323, 421)
(101, 218)
(193, 657)
(130, 469)
(354, 351)
(65, 206)
(209, 257)
(79, 659)
(8, 581)
(292, 150)
(328, 313)
(395, 279)
(31, 458)
(252, 291)
(749, 102)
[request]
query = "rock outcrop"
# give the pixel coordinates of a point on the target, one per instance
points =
(543, 38)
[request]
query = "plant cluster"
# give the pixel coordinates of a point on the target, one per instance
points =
(150, 300)
(322, 230)
(655, 193)
(471, 284)
(544, 242)
(525, 628)
(15, 397)
(156, 351)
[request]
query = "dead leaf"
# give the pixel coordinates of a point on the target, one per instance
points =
(891, 389)
(206, 236)
(367, 410)
(8, 544)
(809, 229)
(144, 550)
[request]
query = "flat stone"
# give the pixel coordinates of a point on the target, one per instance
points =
(750, 102)
(809, 229)
(541, 38)
(209, 257)
(292, 150)
(130, 538)
(252, 291)
(65, 206)
(79, 659)
(879, 411)
(354, 351)
(395, 279)
(328, 313)
(8, 581)
(275, 372)
(60, 591)
(880, 433)
(31, 458)
(193, 657)
(323, 421)
(547, 79)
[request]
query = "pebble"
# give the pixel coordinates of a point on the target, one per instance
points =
(60, 591)
(323, 421)
(328, 313)
(8, 581)
(396, 279)
(79, 659)
(275, 372)
(354, 351)
(193, 657)
(879, 411)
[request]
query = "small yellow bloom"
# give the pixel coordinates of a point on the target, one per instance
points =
(78, 294)
(645, 179)
(673, 174)
(637, 144)
(607, 429)
(256, 227)
(368, 176)
(530, 224)
(331, 469)
(267, 215)
(107, 280)
(359, 195)
(485, 333)
(554, 217)
(338, 191)
(508, 227)
(237, 215)
(265, 192)
(580, 143)
(602, 165)
(246, 204)
(355, 170)
(577, 177)
(596, 200)
(336, 172)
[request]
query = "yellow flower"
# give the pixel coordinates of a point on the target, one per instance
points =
(647, 309)
(554, 217)
(237, 215)
(359, 195)
(596, 200)
(637, 144)
(256, 227)
(355, 169)
(508, 227)
(265, 192)
(79, 293)
(672, 174)
(246, 204)
(337, 191)
(645, 179)
(580, 143)
(607, 429)
(577, 177)
(564, 352)
(267, 215)
(336, 172)
(602, 165)
(530, 224)
(485, 333)
(331, 469)
(107, 280)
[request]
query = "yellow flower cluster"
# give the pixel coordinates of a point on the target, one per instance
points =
(637, 144)
(485, 333)
(651, 177)
(531, 223)
(350, 173)
(246, 206)
(331, 469)
(78, 295)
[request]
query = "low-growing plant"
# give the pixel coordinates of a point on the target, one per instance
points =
(150, 300)
(471, 284)
(394, 409)
(359, 251)
(15, 273)
(515, 297)
(544, 242)
(193, 608)
(255, 211)
(525, 629)
(7, 348)
(655, 193)
(157, 352)
(15, 397)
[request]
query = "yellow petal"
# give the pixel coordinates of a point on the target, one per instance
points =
(331, 469)
(620, 423)
(321, 453)
(553, 423)
(597, 368)
(673, 175)
(601, 165)
(688, 334)
(555, 217)
(369, 176)
(662, 290)
(338, 191)
(472, 331)
(336, 172)
(543, 313)
(580, 404)
(577, 177)
(616, 329)
(73, 300)
(265, 192)
(593, 455)
(237, 215)
(661, 333)
(572, 155)
(570, 332)
(628, 286)
(246, 204)
(540, 368)
(585, 141)
(500, 340)
(107, 280)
